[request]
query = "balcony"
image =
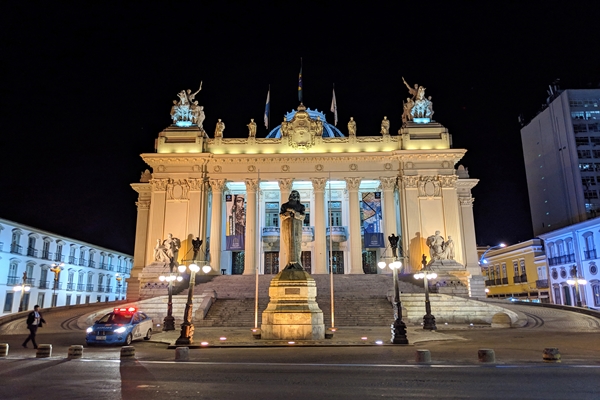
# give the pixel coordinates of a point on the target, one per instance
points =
(498, 281)
(542, 284)
(82, 262)
(59, 257)
(524, 278)
(57, 285)
(92, 264)
(16, 249)
(70, 286)
(517, 279)
(490, 282)
(80, 287)
(44, 285)
(31, 252)
(505, 281)
(72, 260)
(308, 234)
(101, 288)
(589, 254)
(46, 255)
(338, 234)
(89, 288)
(270, 235)
(13, 280)
(108, 289)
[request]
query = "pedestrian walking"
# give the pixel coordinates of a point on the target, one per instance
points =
(34, 320)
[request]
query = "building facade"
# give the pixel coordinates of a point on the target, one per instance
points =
(518, 271)
(562, 160)
(572, 253)
(55, 270)
(357, 191)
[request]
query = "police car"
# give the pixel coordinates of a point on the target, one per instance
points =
(122, 326)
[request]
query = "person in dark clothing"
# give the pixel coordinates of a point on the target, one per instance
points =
(34, 320)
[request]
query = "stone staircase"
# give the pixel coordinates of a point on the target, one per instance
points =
(360, 300)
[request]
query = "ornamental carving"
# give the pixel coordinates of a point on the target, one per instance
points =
(251, 185)
(285, 168)
(466, 201)
(410, 181)
(217, 185)
(143, 205)
(217, 168)
(352, 183)
(195, 183)
(387, 166)
(302, 130)
(177, 189)
(429, 186)
(285, 184)
(251, 168)
(318, 184)
(448, 181)
(353, 167)
(319, 167)
(159, 185)
(388, 182)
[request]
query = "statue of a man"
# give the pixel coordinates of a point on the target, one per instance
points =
(352, 127)
(292, 218)
(437, 247)
(406, 115)
(393, 239)
(413, 92)
(219, 128)
(385, 126)
(251, 128)
(450, 248)
(198, 114)
(196, 243)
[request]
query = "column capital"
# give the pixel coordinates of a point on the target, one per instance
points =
(217, 185)
(285, 183)
(159, 185)
(352, 183)
(195, 183)
(318, 184)
(466, 201)
(410, 181)
(448, 181)
(388, 182)
(251, 184)
(143, 204)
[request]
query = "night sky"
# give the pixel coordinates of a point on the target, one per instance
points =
(87, 88)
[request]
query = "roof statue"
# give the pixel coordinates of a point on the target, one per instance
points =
(352, 127)
(417, 108)
(219, 128)
(186, 112)
(251, 128)
(385, 126)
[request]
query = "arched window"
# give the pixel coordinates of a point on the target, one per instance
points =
(15, 240)
(44, 277)
(80, 280)
(595, 286)
(70, 279)
(46, 255)
(590, 248)
(13, 278)
(29, 270)
(90, 282)
(31, 250)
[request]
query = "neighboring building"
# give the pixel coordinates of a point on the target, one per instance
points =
(357, 191)
(561, 146)
(89, 273)
(518, 271)
(570, 249)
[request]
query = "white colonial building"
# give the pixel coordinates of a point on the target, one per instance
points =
(39, 267)
(357, 191)
(573, 252)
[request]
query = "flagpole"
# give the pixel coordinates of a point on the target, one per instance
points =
(331, 257)
(269, 116)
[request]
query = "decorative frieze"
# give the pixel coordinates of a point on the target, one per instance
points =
(159, 185)
(429, 186)
(177, 189)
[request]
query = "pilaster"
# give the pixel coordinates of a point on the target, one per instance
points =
(216, 186)
(352, 185)
(250, 262)
(320, 256)
(285, 187)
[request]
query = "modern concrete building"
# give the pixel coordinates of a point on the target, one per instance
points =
(572, 253)
(561, 147)
(357, 191)
(39, 267)
(518, 271)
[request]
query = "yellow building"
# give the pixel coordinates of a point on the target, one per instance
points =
(518, 271)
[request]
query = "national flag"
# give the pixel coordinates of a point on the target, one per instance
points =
(300, 83)
(268, 108)
(334, 108)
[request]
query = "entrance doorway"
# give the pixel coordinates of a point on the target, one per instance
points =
(306, 261)
(271, 262)
(337, 262)
(237, 263)
(567, 294)
(369, 261)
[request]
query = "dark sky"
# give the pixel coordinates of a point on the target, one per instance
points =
(87, 88)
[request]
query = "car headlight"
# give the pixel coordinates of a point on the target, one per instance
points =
(120, 330)
(89, 330)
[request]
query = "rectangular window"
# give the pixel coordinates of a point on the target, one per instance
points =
(582, 141)
(542, 273)
(272, 214)
(78, 299)
(306, 221)
(590, 194)
(68, 302)
(593, 127)
(588, 180)
(516, 268)
(504, 270)
(8, 301)
(584, 154)
(523, 271)
(579, 128)
(40, 300)
(335, 213)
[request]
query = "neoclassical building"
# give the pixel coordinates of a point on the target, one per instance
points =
(56, 270)
(357, 191)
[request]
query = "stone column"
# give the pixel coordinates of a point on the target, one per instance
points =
(203, 185)
(451, 217)
(389, 211)
(250, 262)
(285, 187)
(352, 184)
(411, 224)
(141, 238)
(216, 223)
(320, 219)
(476, 281)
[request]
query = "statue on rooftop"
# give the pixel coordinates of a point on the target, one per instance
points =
(292, 217)
(385, 126)
(251, 128)
(421, 108)
(219, 129)
(186, 111)
(352, 127)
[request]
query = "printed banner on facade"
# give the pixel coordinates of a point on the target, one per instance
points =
(371, 218)
(236, 222)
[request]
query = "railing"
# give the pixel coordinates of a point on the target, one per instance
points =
(80, 287)
(498, 281)
(89, 287)
(31, 252)
(103, 266)
(70, 286)
(517, 279)
(12, 281)
(57, 285)
(46, 255)
(524, 278)
(59, 257)
(108, 289)
(92, 264)
(82, 262)
(505, 281)
(542, 284)
(589, 254)
(44, 285)
(101, 288)
(15, 248)
(72, 260)
(490, 282)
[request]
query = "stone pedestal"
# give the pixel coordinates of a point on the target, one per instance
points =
(452, 278)
(293, 312)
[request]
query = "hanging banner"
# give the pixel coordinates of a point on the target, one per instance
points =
(235, 230)
(371, 220)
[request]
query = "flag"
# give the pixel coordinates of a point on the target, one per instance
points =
(300, 83)
(334, 108)
(268, 108)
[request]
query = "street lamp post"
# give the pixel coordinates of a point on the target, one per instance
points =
(119, 278)
(482, 260)
(187, 328)
(22, 288)
(169, 321)
(56, 268)
(576, 280)
(398, 327)
(425, 274)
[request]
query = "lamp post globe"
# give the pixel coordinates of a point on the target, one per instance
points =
(398, 327)
(425, 273)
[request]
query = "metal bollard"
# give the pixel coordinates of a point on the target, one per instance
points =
(4, 349)
(486, 355)
(182, 354)
(75, 351)
(423, 356)
(551, 354)
(127, 352)
(44, 351)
